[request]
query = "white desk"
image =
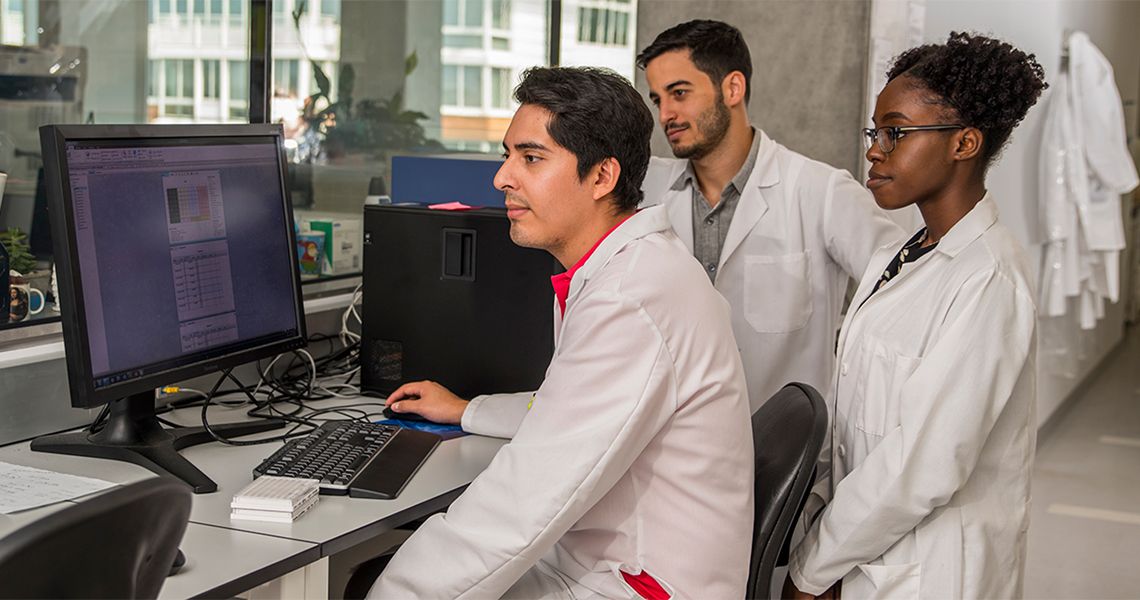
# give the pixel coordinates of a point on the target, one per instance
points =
(226, 557)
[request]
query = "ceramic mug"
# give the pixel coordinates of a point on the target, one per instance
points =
(23, 300)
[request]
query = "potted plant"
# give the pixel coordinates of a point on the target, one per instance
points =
(376, 127)
(21, 259)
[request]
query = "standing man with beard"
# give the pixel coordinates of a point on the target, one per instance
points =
(778, 234)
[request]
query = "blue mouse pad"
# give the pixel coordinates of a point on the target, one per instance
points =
(443, 431)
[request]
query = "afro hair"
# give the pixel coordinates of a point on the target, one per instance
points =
(987, 83)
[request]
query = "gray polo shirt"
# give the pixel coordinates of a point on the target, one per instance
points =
(710, 225)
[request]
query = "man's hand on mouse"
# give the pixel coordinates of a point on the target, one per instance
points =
(429, 400)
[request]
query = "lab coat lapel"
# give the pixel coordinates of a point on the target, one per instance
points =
(679, 206)
(753, 204)
(645, 222)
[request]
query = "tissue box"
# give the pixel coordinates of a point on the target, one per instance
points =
(343, 240)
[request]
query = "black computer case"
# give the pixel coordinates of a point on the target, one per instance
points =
(449, 297)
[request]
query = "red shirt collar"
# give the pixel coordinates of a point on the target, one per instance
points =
(561, 281)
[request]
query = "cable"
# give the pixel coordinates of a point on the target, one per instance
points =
(206, 424)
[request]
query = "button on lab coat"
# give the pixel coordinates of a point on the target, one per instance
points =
(934, 431)
(800, 231)
(635, 454)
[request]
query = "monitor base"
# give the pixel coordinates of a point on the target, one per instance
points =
(133, 434)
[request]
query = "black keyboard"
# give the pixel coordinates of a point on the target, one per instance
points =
(363, 460)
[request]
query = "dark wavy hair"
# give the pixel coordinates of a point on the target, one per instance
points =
(595, 114)
(985, 83)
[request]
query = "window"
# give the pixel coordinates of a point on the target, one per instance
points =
(211, 79)
(607, 25)
(331, 9)
(463, 86)
(178, 88)
(500, 88)
(239, 89)
(154, 68)
(472, 86)
(501, 14)
(464, 13)
(285, 77)
(473, 13)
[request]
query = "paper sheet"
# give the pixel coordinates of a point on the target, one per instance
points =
(22, 488)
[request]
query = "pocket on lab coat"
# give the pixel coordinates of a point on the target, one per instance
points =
(878, 402)
(777, 292)
(887, 581)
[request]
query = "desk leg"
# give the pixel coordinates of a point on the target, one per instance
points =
(310, 582)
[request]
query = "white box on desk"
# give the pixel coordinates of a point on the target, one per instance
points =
(343, 241)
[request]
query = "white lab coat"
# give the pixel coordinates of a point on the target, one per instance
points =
(1084, 168)
(636, 452)
(800, 231)
(934, 432)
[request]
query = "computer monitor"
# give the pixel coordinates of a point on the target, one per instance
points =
(175, 258)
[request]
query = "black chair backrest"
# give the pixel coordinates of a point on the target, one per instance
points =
(788, 433)
(119, 544)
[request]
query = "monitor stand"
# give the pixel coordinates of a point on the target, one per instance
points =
(133, 434)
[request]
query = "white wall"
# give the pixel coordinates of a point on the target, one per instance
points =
(1037, 26)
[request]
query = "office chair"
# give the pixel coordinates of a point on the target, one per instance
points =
(119, 544)
(788, 433)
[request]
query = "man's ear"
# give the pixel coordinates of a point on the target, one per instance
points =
(733, 88)
(605, 177)
(970, 143)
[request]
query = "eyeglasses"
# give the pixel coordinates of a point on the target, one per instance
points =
(888, 137)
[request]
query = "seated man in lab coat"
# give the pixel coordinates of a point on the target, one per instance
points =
(630, 471)
(777, 233)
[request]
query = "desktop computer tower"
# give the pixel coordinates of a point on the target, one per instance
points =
(449, 297)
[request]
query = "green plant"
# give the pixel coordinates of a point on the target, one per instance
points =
(377, 126)
(19, 257)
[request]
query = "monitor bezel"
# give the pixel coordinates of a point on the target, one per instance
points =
(81, 379)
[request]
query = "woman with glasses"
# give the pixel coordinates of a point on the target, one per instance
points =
(934, 427)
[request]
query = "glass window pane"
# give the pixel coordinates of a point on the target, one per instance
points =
(501, 14)
(187, 76)
(171, 68)
(336, 149)
(450, 85)
(239, 80)
(500, 87)
(164, 7)
(210, 83)
(331, 8)
(199, 7)
(472, 86)
(236, 6)
(153, 67)
(182, 7)
(215, 7)
(450, 12)
(603, 40)
(473, 13)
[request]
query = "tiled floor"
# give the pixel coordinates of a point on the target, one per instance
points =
(1084, 537)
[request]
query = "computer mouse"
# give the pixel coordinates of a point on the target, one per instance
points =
(179, 561)
(404, 416)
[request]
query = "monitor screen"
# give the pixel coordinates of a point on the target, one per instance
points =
(181, 253)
